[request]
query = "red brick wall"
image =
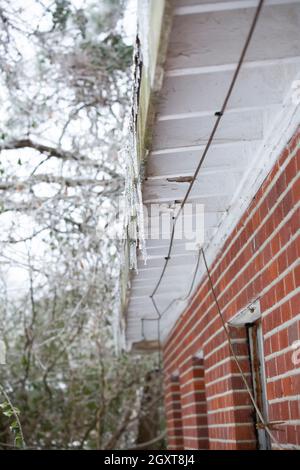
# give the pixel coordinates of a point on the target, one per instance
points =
(174, 413)
(260, 259)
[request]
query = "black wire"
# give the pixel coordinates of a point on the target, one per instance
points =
(219, 115)
(161, 314)
(244, 379)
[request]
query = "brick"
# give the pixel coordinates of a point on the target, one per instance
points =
(198, 325)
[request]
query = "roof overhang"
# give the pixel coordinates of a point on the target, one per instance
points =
(197, 44)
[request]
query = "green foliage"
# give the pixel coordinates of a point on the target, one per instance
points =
(111, 53)
(61, 14)
(12, 412)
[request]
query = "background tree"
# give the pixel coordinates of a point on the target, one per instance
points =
(65, 93)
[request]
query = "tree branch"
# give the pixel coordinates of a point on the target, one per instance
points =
(61, 180)
(56, 152)
(148, 443)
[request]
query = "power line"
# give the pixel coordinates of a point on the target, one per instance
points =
(259, 414)
(219, 115)
(175, 300)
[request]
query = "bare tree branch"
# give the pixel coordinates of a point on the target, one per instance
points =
(56, 152)
(61, 180)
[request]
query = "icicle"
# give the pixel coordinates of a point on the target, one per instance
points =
(133, 210)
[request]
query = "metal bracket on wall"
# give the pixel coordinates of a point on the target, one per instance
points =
(248, 315)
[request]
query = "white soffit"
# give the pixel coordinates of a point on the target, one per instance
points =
(204, 46)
